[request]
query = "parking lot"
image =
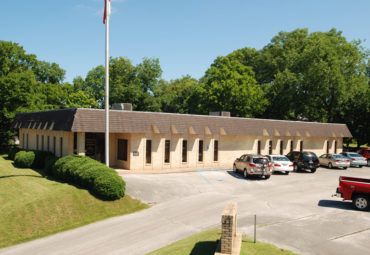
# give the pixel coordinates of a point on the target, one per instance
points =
(295, 212)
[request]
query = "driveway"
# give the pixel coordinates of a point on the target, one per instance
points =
(295, 212)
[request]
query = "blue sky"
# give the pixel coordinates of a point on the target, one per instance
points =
(186, 35)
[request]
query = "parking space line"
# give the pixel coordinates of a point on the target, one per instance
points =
(209, 170)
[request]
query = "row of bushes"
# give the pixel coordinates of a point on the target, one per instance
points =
(101, 180)
(31, 158)
(83, 171)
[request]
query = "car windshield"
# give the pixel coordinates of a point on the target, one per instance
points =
(354, 155)
(260, 160)
(309, 155)
(338, 156)
(280, 158)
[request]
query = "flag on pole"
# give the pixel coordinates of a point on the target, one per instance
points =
(106, 10)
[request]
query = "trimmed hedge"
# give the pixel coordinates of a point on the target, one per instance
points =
(109, 186)
(40, 156)
(12, 151)
(101, 180)
(24, 159)
(49, 162)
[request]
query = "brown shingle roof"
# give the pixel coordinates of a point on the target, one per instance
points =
(93, 120)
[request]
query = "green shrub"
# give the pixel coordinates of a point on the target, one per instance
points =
(90, 174)
(56, 170)
(12, 151)
(39, 162)
(78, 174)
(24, 159)
(109, 186)
(49, 162)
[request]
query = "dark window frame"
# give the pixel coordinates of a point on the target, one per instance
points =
(215, 151)
(37, 142)
(327, 147)
(122, 149)
(167, 151)
(270, 146)
(48, 143)
(61, 146)
(281, 147)
(301, 146)
(200, 151)
(55, 145)
(335, 146)
(291, 145)
(184, 151)
(148, 151)
(258, 147)
(42, 142)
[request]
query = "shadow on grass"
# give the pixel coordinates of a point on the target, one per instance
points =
(204, 248)
(336, 204)
(21, 175)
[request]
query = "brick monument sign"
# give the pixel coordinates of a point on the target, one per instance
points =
(231, 241)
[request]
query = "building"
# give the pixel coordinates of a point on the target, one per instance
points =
(151, 140)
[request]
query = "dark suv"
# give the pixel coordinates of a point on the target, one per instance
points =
(304, 160)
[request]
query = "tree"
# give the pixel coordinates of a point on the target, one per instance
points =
(229, 85)
(174, 96)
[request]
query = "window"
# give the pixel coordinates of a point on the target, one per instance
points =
(215, 151)
(200, 151)
(335, 147)
(167, 147)
(327, 146)
(54, 145)
(48, 143)
(281, 147)
(27, 142)
(61, 146)
(122, 149)
(75, 143)
(184, 151)
(42, 142)
(37, 142)
(270, 147)
(148, 152)
(258, 147)
(291, 145)
(301, 146)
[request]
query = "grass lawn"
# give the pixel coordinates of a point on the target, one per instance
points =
(205, 243)
(32, 206)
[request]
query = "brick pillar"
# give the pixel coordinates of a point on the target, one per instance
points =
(228, 222)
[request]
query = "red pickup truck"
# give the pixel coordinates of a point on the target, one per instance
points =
(355, 189)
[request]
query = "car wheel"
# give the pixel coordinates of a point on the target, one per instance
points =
(295, 168)
(368, 162)
(360, 166)
(313, 170)
(245, 173)
(361, 202)
(330, 166)
(344, 168)
(286, 172)
(267, 177)
(235, 169)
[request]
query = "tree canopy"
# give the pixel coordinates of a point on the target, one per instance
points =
(317, 76)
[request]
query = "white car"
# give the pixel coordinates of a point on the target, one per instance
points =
(281, 163)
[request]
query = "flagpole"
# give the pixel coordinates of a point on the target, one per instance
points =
(107, 8)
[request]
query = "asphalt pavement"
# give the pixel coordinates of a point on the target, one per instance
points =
(295, 212)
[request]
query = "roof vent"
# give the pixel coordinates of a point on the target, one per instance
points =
(122, 107)
(223, 113)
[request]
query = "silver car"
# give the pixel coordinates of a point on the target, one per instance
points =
(253, 165)
(334, 160)
(355, 159)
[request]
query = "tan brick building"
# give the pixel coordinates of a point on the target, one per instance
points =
(148, 140)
